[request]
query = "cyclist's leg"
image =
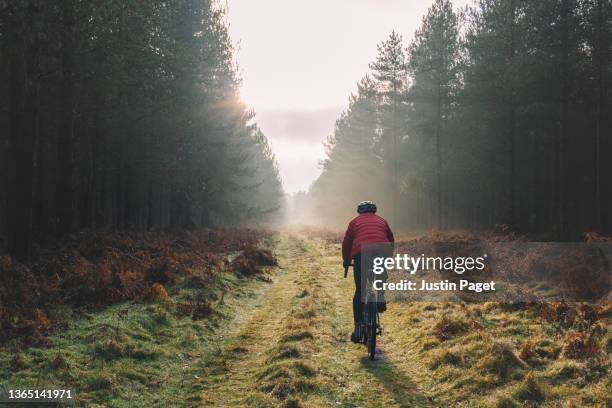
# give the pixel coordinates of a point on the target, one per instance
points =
(381, 303)
(357, 305)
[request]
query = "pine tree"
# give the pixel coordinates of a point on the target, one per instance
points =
(125, 115)
(352, 170)
(433, 63)
(390, 72)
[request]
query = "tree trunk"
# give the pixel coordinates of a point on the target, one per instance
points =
(66, 138)
(24, 107)
(565, 123)
(512, 123)
(439, 161)
(600, 119)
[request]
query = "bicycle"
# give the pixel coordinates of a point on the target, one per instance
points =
(369, 326)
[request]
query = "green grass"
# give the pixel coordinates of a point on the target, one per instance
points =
(134, 354)
(481, 364)
(282, 341)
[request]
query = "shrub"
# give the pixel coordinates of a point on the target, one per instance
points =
(580, 345)
(588, 313)
(526, 351)
(260, 256)
(249, 262)
(245, 266)
(558, 312)
(157, 291)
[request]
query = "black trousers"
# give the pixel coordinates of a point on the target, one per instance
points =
(358, 305)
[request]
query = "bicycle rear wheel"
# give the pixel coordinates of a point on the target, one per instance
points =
(372, 341)
(372, 329)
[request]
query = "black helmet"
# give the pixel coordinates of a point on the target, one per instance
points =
(366, 207)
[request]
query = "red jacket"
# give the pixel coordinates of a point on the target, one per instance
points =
(366, 228)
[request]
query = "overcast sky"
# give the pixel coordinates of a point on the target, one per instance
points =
(301, 59)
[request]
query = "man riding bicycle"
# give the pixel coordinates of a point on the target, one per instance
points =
(366, 228)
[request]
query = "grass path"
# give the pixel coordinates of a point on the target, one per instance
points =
(294, 351)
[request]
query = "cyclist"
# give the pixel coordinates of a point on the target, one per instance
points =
(366, 228)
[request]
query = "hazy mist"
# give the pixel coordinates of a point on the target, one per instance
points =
(300, 61)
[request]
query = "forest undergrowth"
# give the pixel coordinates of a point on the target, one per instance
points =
(90, 271)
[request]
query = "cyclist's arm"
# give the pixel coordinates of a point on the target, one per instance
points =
(347, 244)
(390, 234)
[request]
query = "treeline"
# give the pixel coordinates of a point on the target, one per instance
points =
(124, 114)
(493, 116)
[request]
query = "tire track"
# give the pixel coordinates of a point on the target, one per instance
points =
(293, 350)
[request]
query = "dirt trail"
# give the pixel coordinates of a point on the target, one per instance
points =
(292, 349)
